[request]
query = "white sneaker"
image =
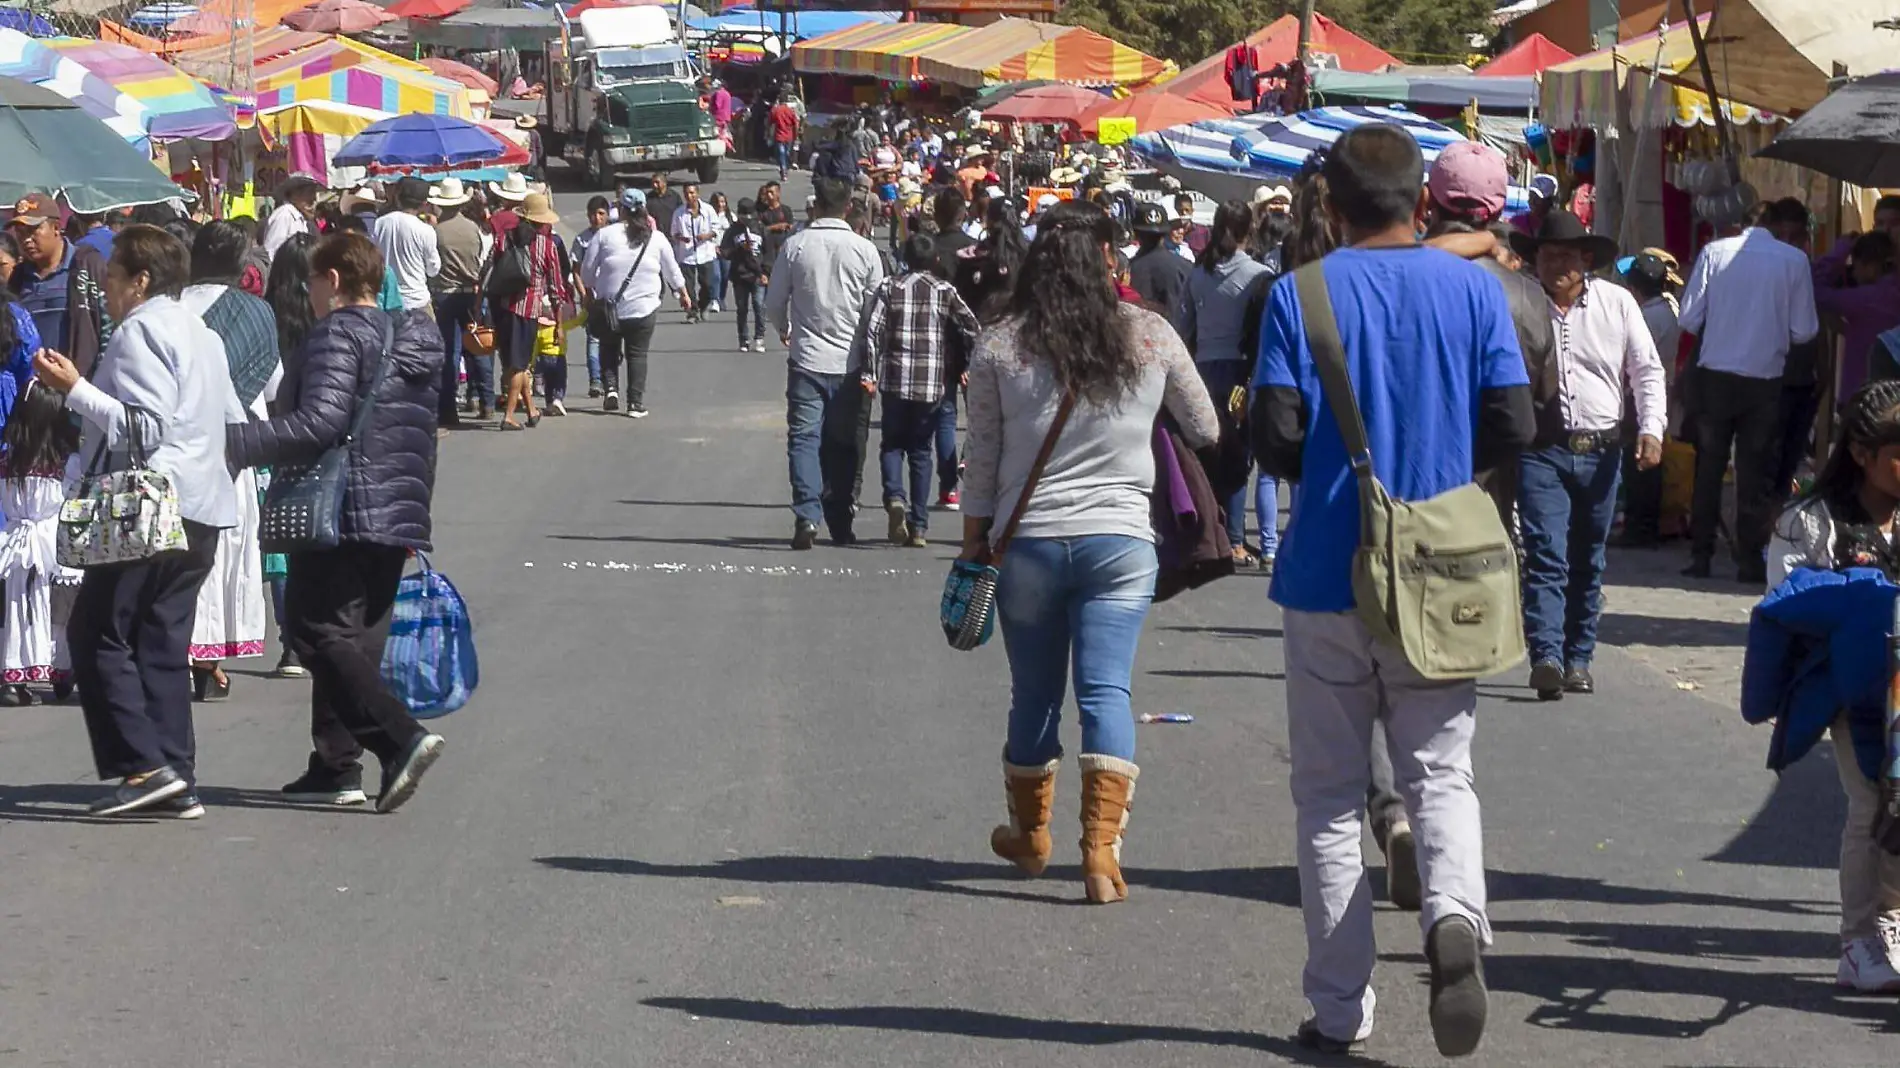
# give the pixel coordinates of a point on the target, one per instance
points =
(712, 307)
(557, 408)
(1866, 967)
(759, 345)
(745, 346)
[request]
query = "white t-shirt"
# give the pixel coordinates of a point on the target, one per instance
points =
(409, 247)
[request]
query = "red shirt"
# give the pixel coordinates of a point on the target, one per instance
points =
(503, 223)
(784, 124)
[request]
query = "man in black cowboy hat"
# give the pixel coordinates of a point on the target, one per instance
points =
(1156, 273)
(1567, 480)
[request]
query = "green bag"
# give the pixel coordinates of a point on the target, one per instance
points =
(1437, 578)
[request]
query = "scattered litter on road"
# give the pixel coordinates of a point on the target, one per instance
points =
(1166, 717)
(1689, 686)
(735, 900)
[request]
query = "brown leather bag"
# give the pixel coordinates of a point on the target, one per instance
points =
(478, 339)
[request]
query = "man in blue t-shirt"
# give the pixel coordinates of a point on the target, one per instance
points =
(1442, 387)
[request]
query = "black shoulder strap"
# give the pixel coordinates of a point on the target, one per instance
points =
(1329, 359)
(631, 271)
(366, 403)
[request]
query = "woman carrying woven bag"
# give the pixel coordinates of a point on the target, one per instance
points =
(1079, 573)
(163, 382)
(337, 599)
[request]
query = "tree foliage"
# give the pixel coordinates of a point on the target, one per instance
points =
(1188, 31)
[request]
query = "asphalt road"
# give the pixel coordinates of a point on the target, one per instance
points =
(717, 803)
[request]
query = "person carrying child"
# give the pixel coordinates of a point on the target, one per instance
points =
(40, 439)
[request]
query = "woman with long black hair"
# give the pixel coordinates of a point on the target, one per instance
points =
(631, 268)
(1080, 574)
(986, 271)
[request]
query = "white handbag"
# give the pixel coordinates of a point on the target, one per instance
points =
(117, 517)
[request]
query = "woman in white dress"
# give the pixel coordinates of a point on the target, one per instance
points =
(230, 621)
(41, 440)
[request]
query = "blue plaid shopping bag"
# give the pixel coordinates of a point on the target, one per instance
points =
(429, 660)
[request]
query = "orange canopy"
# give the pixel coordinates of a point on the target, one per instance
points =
(1529, 56)
(1273, 45)
(1083, 57)
(1152, 110)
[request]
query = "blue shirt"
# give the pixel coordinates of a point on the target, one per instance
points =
(1424, 332)
(44, 298)
(99, 237)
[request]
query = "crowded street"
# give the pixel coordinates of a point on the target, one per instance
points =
(719, 802)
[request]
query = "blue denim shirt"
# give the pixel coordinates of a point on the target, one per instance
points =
(1212, 314)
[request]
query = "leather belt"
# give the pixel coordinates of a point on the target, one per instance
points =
(1586, 441)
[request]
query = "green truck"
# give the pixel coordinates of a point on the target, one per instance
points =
(628, 100)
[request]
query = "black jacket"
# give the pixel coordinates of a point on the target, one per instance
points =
(1160, 276)
(743, 262)
(392, 465)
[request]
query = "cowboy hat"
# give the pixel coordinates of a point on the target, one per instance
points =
(449, 193)
(1562, 228)
(513, 188)
(975, 150)
(526, 122)
(1669, 261)
(1065, 176)
(1152, 218)
(536, 208)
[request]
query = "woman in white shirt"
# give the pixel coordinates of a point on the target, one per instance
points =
(723, 219)
(631, 268)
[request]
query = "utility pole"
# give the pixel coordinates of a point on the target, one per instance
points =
(1306, 30)
(1299, 73)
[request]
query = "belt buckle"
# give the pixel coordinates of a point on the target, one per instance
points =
(1582, 441)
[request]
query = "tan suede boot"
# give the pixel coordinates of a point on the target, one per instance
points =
(1024, 840)
(1108, 788)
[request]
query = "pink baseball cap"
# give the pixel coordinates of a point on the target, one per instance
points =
(1470, 179)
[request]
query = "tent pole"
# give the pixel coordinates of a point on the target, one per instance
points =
(1722, 134)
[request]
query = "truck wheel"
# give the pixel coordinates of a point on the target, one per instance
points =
(603, 172)
(708, 170)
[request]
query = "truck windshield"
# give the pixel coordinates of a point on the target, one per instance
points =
(641, 72)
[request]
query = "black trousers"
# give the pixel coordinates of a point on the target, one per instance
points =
(336, 609)
(1735, 412)
(699, 283)
(130, 634)
(845, 435)
(629, 343)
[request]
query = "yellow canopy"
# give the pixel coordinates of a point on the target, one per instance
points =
(1584, 91)
(1780, 54)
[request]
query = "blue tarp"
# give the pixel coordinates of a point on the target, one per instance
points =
(19, 18)
(802, 25)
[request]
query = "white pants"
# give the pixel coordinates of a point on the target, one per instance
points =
(1338, 682)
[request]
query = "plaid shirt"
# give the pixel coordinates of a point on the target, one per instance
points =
(920, 333)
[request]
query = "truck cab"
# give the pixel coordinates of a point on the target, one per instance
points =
(631, 100)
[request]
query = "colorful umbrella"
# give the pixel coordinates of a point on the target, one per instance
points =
(202, 23)
(462, 72)
(1046, 103)
(426, 9)
(338, 16)
(56, 147)
(420, 141)
(169, 105)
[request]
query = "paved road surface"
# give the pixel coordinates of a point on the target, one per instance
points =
(720, 804)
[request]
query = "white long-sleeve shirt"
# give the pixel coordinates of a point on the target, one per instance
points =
(819, 283)
(1602, 342)
(1749, 298)
(411, 249)
(697, 234)
(284, 223)
(612, 255)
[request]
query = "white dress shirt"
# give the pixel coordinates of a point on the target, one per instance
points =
(612, 255)
(696, 232)
(1749, 298)
(410, 249)
(284, 223)
(1601, 343)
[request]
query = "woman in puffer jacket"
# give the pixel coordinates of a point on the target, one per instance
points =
(337, 601)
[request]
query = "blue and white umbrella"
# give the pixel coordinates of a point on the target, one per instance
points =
(160, 15)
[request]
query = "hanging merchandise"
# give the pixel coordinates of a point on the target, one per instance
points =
(1240, 72)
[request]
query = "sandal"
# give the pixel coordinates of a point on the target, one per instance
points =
(535, 419)
(510, 424)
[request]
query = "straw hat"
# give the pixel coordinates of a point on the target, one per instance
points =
(449, 193)
(513, 189)
(526, 122)
(1065, 176)
(536, 208)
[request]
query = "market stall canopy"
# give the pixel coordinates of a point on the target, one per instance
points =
(462, 72)
(799, 25)
(526, 29)
(161, 15)
(338, 16)
(1584, 91)
(1853, 135)
(27, 22)
(1084, 57)
(873, 50)
(426, 9)
(347, 72)
(1276, 43)
(54, 146)
(139, 96)
(964, 58)
(1049, 103)
(1492, 94)
(1151, 110)
(1779, 54)
(1533, 55)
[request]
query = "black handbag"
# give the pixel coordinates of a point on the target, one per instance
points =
(603, 319)
(303, 509)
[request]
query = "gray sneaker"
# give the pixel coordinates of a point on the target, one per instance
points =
(185, 806)
(129, 797)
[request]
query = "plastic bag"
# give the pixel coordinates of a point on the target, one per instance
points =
(429, 661)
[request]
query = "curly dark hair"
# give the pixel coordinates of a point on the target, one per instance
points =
(1066, 309)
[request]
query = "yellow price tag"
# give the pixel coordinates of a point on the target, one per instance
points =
(1115, 131)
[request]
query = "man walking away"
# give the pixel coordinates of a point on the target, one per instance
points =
(817, 292)
(783, 121)
(1157, 274)
(695, 227)
(1749, 299)
(1435, 366)
(458, 240)
(917, 338)
(411, 248)
(742, 247)
(1567, 486)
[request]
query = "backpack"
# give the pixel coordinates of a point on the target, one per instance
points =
(509, 275)
(1437, 578)
(836, 161)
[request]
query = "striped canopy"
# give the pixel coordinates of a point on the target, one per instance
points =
(141, 97)
(1084, 57)
(965, 59)
(874, 50)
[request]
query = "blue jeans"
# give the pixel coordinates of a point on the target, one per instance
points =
(1220, 377)
(593, 360)
(909, 427)
(452, 310)
(782, 150)
(807, 396)
(720, 270)
(1082, 600)
(1266, 508)
(553, 371)
(749, 304)
(1565, 504)
(948, 469)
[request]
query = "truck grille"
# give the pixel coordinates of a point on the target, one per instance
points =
(675, 121)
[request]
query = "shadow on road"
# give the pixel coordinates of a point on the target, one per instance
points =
(1623, 628)
(1231, 632)
(1708, 943)
(65, 802)
(776, 544)
(703, 504)
(1211, 673)
(1536, 886)
(1799, 825)
(993, 1025)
